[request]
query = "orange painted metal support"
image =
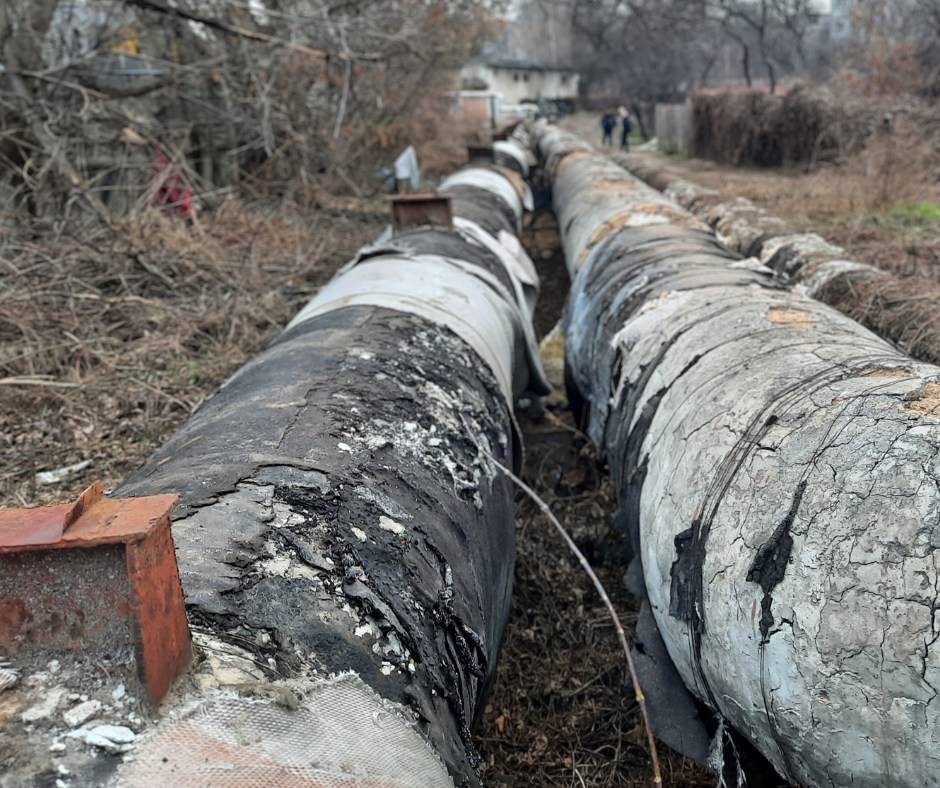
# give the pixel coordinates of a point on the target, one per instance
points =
(96, 577)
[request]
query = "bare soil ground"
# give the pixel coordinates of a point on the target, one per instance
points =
(559, 714)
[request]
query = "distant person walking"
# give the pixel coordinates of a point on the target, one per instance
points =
(608, 123)
(627, 127)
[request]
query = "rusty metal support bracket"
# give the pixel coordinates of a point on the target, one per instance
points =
(95, 577)
(421, 210)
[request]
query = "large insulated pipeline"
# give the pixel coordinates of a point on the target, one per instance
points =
(803, 258)
(345, 545)
(779, 474)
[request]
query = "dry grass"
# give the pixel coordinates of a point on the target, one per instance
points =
(905, 309)
(894, 169)
(110, 339)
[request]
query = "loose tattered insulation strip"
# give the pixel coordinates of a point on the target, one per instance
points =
(346, 549)
(779, 476)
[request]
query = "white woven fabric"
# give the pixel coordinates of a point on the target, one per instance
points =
(342, 736)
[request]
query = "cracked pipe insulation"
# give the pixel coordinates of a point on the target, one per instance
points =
(779, 476)
(346, 550)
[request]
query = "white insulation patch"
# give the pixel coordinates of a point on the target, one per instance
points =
(342, 734)
(387, 524)
(491, 181)
(468, 300)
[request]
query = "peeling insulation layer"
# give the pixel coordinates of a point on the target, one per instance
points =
(515, 154)
(345, 544)
(779, 472)
(607, 202)
(491, 183)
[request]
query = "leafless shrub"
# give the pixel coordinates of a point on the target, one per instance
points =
(810, 125)
(754, 128)
(893, 169)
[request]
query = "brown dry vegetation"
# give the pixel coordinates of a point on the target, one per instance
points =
(808, 125)
(846, 203)
(559, 714)
(111, 338)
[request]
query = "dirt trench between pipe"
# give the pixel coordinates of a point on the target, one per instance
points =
(559, 713)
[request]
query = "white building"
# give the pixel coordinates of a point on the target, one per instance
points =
(518, 81)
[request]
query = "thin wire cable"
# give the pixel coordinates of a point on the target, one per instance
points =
(599, 586)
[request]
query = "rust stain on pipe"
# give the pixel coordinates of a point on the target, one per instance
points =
(888, 373)
(517, 181)
(792, 318)
(637, 215)
(927, 402)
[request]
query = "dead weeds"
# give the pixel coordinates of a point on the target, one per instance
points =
(559, 713)
(866, 205)
(110, 339)
(905, 309)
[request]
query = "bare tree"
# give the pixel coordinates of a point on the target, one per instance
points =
(644, 51)
(270, 94)
(651, 51)
(776, 29)
(921, 24)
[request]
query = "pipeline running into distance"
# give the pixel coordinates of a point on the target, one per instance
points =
(346, 546)
(779, 476)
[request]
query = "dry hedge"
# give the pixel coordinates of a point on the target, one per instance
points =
(803, 126)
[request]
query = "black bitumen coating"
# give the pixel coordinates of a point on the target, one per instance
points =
(443, 587)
